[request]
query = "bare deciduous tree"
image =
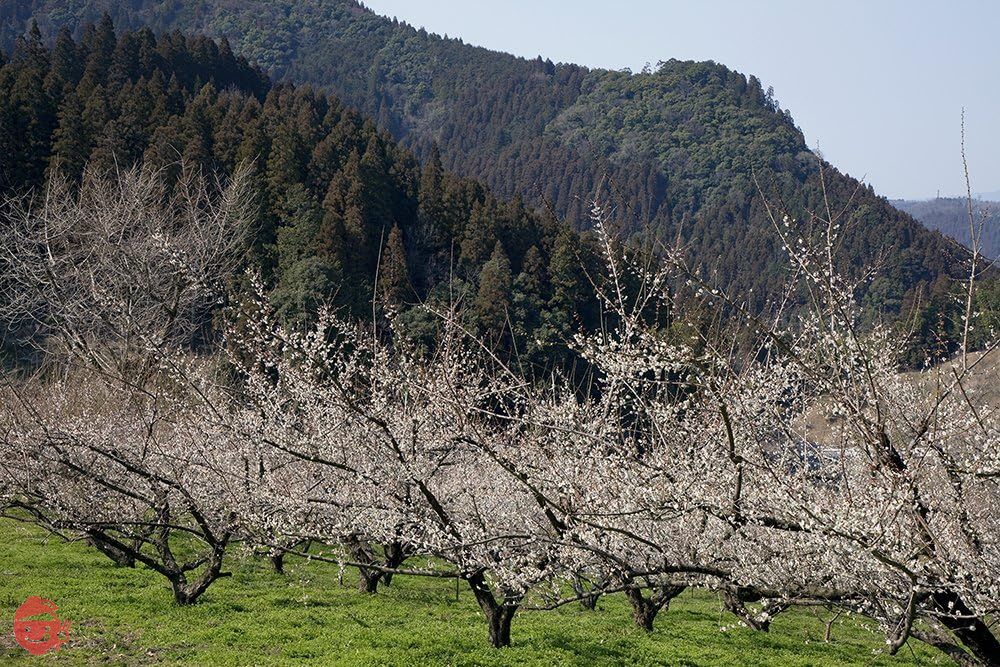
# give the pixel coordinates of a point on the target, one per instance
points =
(110, 437)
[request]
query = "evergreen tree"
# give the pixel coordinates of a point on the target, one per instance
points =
(31, 52)
(66, 68)
(285, 162)
(298, 229)
(305, 287)
(493, 299)
(566, 273)
(528, 302)
(431, 207)
(478, 239)
(569, 289)
(71, 141)
(99, 45)
(393, 273)
(30, 113)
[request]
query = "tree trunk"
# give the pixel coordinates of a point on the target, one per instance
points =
(183, 595)
(395, 555)
(588, 599)
(939, 637)
(118, 556)
(187, 592)
(498, 614)
(278, 562)
(644, 610)
(368, 580)
(500, 622)
(735, 601)
(973, 632)
(362, 553)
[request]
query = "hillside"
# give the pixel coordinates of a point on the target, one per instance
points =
(673, 149)
(341, 203)
(950, 216)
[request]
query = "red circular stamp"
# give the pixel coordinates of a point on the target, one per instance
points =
(37, 628)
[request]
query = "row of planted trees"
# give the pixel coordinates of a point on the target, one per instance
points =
(800, 469)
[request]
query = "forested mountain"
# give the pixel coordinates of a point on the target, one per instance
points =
(674, 150)
(346, 214)
(950, 216)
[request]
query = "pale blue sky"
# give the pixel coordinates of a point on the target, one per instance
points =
(877, 85)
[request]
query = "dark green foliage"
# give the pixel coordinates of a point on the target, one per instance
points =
(28, 113)
(347, 217)
(950, 216)
(673, 149)
(71, 140)
(393, 272)
(105, 101)
(682, 154)
(493, 300)
(937, 319)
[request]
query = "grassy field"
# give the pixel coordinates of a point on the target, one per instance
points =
(123, 616)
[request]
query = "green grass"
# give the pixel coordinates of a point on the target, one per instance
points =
(123, 616)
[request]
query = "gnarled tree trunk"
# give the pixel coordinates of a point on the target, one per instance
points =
(588, 598)
(186, 591)
(975, 635)
(644, 610)
(498, 614)
(362, 553)
(120, 557)
(735, 600)
(395, 555)
(277, 561)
